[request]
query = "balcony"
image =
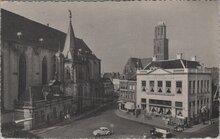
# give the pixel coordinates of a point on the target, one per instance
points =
(160, 93)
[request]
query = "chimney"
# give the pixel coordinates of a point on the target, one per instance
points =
(179, 56)
(154, 58)
(193, 58)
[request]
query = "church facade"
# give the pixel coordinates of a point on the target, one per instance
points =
(34, 57)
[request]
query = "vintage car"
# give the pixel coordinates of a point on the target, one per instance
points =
(102, 131)
(162, 133)
(178, 129)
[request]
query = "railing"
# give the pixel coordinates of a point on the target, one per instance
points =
(45, 102)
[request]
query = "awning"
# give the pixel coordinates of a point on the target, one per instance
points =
(120, 101)
(180, 117)
(129, 105)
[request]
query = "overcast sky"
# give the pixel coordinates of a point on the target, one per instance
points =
(116, 31)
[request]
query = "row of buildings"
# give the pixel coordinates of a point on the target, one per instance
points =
(175, 88)
(46, 73)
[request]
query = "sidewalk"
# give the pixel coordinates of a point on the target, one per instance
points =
(200, 126)
(158, 122)
(154, 121)
(65, 122)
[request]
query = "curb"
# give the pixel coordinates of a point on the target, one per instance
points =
(140, 121)
(66, 122)
(124, 117)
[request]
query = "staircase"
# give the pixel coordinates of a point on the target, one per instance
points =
(19, 115)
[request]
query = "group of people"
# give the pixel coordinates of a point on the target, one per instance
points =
(67, 116)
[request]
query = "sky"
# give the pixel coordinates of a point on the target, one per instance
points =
(116, 31)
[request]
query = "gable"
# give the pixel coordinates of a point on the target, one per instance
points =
(160, 71)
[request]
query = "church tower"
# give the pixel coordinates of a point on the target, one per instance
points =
(161, 42)
(69, 53)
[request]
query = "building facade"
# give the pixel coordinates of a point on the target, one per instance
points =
(127, 96)
(178, 88)
(33, 57)
(107, 90)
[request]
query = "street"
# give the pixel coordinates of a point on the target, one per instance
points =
(84, 127)
(122, 128)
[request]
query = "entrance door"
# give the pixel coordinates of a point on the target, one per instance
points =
(21, 76)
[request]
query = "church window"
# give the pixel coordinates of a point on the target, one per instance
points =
(67, 73)
(44, 71)
(21, 76)
(158, 49)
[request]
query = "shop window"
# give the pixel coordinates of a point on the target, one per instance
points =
(151, 86)
(161, 110)
(143, 103)
(179, 87)
(169, 112)
(143, 83)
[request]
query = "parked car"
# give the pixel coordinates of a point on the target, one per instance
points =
(102, 131)
(178, 129)
(162, 133)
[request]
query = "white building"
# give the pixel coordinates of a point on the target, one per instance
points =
(180, 88)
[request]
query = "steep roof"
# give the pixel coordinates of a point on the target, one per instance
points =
(32, 31)
(173, 64)
(145, 61)
(131, 66)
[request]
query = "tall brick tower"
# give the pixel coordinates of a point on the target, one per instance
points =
(161, 42)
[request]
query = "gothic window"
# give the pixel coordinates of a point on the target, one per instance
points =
(21, 76)
(54, 67)
(158, 49)
(44, 71)
(67, 73)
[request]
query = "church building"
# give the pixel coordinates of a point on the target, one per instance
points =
(45, 73)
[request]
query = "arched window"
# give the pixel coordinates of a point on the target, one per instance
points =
(54, 68)
(44, 71)
(21, 76)
(67, 73)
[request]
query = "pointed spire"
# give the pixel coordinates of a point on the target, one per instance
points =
(69, 45)
(70, 15)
